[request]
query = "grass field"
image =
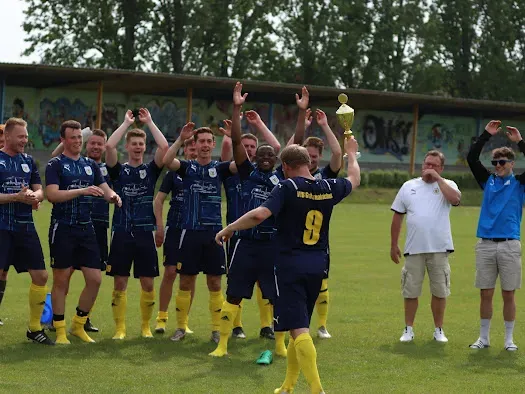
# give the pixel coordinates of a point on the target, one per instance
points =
(366, 320)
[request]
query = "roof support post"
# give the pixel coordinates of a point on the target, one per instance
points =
(100, 91)
(414, 140)
(189, 104)
(2, 98)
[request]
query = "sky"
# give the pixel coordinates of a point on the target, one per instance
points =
(12, 34)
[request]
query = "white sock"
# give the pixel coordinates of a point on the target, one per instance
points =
(509, 328)
(409, 328)
(484, 330)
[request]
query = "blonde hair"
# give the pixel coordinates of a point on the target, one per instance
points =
(12, 123)
(295, 156)
(135, 133)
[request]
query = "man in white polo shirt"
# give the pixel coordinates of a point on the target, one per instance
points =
(426, 201)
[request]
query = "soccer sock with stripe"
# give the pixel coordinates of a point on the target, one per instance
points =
(322, 303)
(292, 368)
(265, 309)
(227, 316)
(215, 306)
(182, 302)
(237, 322)
(307, 358)
(37, 300)
(119, 305)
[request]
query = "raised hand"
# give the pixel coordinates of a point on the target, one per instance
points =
(145, 116)
(308, 118)
(227, 129)
(187, 131)
(431, 174)
(238, 97)
(252, 117)
(129, 118)
(493, 126)
(351, 146)
(514, 134)
(303, 102)
(321, 118)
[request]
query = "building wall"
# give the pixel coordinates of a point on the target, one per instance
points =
(384, 137)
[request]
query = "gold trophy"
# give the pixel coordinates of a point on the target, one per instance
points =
(345, 116)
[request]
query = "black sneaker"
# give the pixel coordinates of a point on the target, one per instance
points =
(88, 327)
(238, 332)
(267, 332)
(39, 337)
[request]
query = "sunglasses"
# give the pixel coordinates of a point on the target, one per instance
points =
(500, 162)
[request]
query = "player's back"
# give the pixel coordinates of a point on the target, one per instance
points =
(304, 212)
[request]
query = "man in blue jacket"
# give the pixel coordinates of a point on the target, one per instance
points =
(499, 249)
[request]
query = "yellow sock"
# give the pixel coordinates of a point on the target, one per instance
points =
(322, 303)
(147, 304)
(60, 329)
(183, 302)
(280, 347)
(162, 319)
(292, 369)
(119, 304)
(237, 319)
(307, 358)
(215, 305)
(227, 317)
(265, 309)
(77, 328)
(91, 310)
(37, 300)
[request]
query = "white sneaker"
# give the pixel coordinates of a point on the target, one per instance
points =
(511, 347)
(408, 335)
(323, 333)
(439, 335)
(480, 344)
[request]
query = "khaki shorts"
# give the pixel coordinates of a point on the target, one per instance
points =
(413, 273)
(503, 258)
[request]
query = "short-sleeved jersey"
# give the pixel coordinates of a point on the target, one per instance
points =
(202, 194)
(100, 208)
(15, 173)
(303, 208)
(232, 189)
(71, 174)
(172, 183)
(136, 188)
(321, 173)
(256, 187)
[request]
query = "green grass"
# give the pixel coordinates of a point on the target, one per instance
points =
(366, 320)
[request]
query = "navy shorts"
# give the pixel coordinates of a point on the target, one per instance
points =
(101, 232)
(252, 261)
(137, 249)
(198, 252)
(73, 245)
(298, 277)
(327, 271)
(230, 246)
(171, 246)
(21, 250)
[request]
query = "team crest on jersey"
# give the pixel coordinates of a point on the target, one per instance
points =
(436, 191)
(212, 172)
(104, 171)
(25, 167)
(88, 170)
(274, 179)
(142, 174)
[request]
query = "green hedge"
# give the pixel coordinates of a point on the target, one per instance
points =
(396, 178)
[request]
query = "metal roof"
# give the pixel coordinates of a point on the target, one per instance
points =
(135, 82)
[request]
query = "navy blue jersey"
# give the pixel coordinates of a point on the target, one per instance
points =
(71, 174)
(172, 183)
(136, 188)
(303, 208)
(321, 173)
(256, 187)
(202, 194)
(232, 189)
(15, 173)
(100, 208)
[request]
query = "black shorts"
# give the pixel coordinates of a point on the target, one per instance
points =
(73, 246)
(230, 246)
(21, 250)
(298, 278)
(133, 248)
(252, 261)
(101, 233)
(171, 246)
(199, 252)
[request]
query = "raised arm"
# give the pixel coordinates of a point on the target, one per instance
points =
(302, 104)
(255, 120)
(226, 146)
(170, 158)
(478, 170)
(515, 136)
(114, 139)
(337, 154)
(353, 172)
(158, 207)
(160, 140)
(239, 153)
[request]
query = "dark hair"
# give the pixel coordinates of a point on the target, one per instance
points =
(188, 142)
(99, 133)
(262, 146)
(68, 124)
(202, 130)
(314, 142)
(503, 152)
(436, 153)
